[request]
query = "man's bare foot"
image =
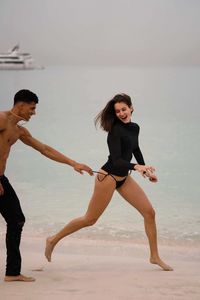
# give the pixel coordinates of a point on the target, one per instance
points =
(48, 249)
(159, 262)
(19, 278)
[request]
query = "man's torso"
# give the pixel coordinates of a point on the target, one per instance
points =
(9, 134)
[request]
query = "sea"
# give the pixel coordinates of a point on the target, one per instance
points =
(166, 104)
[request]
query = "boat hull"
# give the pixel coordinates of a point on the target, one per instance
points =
(16, 67)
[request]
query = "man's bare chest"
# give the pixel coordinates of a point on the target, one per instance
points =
(9, 136)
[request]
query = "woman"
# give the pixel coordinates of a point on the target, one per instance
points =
(122, 140)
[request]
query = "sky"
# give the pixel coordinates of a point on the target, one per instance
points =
(103, 32)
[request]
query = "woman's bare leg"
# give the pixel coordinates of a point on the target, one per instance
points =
(101, 197)
(133, 193)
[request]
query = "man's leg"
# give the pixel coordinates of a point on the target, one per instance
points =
(13, 238)
(11, 211)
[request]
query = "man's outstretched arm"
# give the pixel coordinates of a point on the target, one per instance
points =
(51, 153)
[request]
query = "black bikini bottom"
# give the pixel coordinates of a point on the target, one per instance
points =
(119, 183)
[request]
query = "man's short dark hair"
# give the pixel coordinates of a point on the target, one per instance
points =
(25, 96)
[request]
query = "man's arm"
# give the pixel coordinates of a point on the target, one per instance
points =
(50, 152)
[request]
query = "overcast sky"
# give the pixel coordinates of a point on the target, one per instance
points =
(103, 32)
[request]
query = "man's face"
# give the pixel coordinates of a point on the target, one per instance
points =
(27, 110)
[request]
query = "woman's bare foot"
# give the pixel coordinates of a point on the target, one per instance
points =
(19, 278)
(49, 249)
(159, 262)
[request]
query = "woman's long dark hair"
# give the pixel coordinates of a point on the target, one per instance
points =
(107, 116)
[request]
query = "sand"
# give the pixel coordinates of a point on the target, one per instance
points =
(103, 270)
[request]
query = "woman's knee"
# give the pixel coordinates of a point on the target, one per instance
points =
(89, 221)
(150, 214)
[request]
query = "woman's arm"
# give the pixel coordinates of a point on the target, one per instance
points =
(138, 156)
(144, 170)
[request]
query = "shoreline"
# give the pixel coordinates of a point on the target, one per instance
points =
(96, 269)
(90, 235)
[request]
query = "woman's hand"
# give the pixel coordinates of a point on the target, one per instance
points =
(153, 178)
(146, 172)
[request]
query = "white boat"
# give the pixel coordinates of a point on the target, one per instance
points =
(16, 60)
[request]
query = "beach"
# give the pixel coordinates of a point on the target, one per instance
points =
(109, 270)
(76, 56)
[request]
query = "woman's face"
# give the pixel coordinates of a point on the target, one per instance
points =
(123, 112)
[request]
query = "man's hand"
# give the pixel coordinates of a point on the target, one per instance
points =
(1, 189)
(81, 167)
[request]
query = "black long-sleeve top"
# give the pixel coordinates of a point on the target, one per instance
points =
(123, 144)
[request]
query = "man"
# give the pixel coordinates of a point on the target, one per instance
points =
(24, 107)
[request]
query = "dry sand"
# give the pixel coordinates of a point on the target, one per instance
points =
(103, 270)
